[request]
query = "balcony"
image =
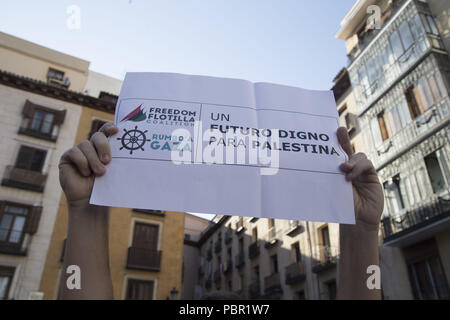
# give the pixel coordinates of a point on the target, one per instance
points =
(254, 290)
(209, 254)
(295, 228)
(24, 179)
(364, 39)
(434, 214)
(144, 259)
(327, 259)
(240, 259)
(253, 250)
(416, 131)
(272, 285)
(271, 238)
(218, 246)
(228, 267)
(217, 276)
(295, 273)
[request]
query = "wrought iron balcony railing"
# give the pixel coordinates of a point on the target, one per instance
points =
(272, 285)
(144, 259)
(295, 273)
(415, 218)
(327, 257)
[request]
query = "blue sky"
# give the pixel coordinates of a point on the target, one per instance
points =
(289, 42)
(285, 41)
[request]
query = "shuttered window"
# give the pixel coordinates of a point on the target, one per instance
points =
(145, 236)
(30, 158)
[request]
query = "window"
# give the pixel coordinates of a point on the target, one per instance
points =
(12, 223)
(145, 236)
(435, 173)
(241, 246)
(107, 97)
(430, 26)
(376, 133)
(397, 48)
(254, 235)
(30, 158)
(406, 36)
(271, 223)
(6, 276)
(325, 236)
(427, 277)
(95, 126)
(274, 263)
(331, 289)
(55, 74)
(296, 255)
(393, 195)
(42, 121)
(412, 99)
(383, 128)
(342, 109)
(140, 290)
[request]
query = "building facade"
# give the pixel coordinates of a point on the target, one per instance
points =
(400, 79)
(50, 101)
(268, 258)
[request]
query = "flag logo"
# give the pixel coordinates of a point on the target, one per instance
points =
(136, 115)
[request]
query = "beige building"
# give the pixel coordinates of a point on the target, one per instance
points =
(50, 102)
(267, 258)
(400, 79)
(194, 227)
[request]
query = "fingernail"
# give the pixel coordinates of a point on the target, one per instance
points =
(105, 158)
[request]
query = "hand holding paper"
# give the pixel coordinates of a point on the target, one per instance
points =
(212, 145)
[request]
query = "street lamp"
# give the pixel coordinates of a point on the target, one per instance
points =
(174, 294)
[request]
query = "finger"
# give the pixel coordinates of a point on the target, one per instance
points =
(92, 157)
(101, 144)
(348, 166)
(109, 129)
(344, 141)
(361, 167)
(76, 157)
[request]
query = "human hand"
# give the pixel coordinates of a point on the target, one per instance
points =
(367, 191)
(79, 165)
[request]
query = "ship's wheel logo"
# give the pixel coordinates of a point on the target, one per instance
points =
(133, 139)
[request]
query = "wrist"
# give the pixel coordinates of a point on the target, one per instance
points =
(359, 231)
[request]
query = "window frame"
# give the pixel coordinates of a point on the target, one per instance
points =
(7, 243)
(39, 131)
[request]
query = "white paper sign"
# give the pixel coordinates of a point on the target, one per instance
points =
(226, 146)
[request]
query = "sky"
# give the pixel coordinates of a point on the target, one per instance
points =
(289, 42)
